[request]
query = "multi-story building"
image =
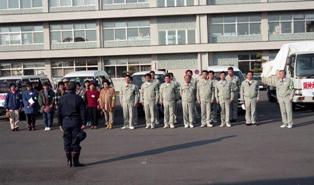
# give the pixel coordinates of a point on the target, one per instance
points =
(55, 37)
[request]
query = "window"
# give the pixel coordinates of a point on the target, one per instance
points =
(119, 2)
(235, 26)
(61, 67)
(72, 3)
(174, 3)
(169, 37)
(131, 30)
(20, 4)
(250, 62)
(82, 32)
(21, 35)
(118, 67)
(287, 24)
(25, 67)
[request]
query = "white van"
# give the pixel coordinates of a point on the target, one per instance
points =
(81, 76)
(20, 81)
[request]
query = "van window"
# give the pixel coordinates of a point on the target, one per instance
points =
(5, 84)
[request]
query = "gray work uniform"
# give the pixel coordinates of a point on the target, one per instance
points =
(157, 110)
(285, 92)
(149, 97)
(224, 95)
(188, 93)
(249, 92)
(234, 103)
(177, 86)
(215, 107)
(129, 97)
(168, 97)
(205, 96)
(194, 82)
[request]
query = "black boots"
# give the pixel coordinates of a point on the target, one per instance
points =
(75, 157)
(69, 159)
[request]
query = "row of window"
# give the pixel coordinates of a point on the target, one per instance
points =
(139, 30)
(20, 4)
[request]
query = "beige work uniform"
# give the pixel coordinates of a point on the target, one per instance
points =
(224, 95)
(149, 97)
(285, 92)
(205, 96)
(129, 97)
(234, 103)
(249, 91)
(188, 93)
(168, 97)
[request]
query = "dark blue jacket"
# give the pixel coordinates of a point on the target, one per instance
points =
(26, 96)
(13, 101)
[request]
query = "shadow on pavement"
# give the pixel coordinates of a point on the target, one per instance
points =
(287, 181)
(162, 150)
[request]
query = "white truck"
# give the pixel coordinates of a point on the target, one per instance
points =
(297, 59)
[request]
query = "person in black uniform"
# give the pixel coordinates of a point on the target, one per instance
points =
(72, 122)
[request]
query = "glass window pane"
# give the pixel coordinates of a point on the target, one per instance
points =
(286, 17)
(162, 37)
(67, 36)
(131, 1)
(3, 4)
(216, 29)
(90, 2)
(66, 3)
(181, 37)
(4, 39)
(67, 26)
(54, 3)
(91, 35)
(132, 33)
(299, 27)
(37, 3)
(229, 29)
(255, 18)
(243, 19)
(255, 28)
(120, 34)
(217, 20)
(243, 29)
(273, 18)
(274, 28)
(191, 36)
(15, 38)
(79, 26)
(144, 33)
(118, 1)
(180, 2)
(108, 34)
(170, 2)
(229, 19)
(310, 26)
(15, 29)
(121, 71)
(26, 4)
(160, 3)
(27, 28)
(13, 3)
(78, 2)
(171, 37)
(108, 1)
(110, 70)
(286, 27)
(90, 25)
(38, 38)
(79, 36)
(190, 2)
(27, 38)
(55, 37)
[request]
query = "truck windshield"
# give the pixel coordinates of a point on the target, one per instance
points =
(305, 65)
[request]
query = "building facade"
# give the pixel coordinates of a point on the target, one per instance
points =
(55, 37)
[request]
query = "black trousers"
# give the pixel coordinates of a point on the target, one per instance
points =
(69, 134)
(31, 119)
(93, 115)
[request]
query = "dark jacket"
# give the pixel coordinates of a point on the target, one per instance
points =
(42, 101)
(71, 110)
(27, 107)
(13, 101)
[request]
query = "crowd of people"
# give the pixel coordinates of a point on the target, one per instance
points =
(214, 97)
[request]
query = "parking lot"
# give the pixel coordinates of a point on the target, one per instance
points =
(238, 155)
